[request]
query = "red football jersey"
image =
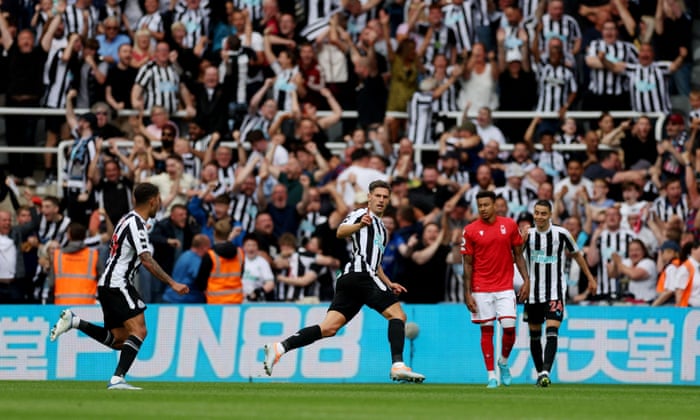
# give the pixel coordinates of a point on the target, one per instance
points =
(491, 248)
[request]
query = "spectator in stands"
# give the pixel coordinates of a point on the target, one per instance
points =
(82, 164)
(673, 30)
(640, 269)
(62, 59)
(610, 238)
(258, 279)
(220, 272)
(12, 269)
(424, 277)
(186, 270)
(24, 66)
(430, 195)
(357, 176)
(111, 40)
(119, 80)
(607, 89)
(212, 99)
(517, 195)
(113, 190)
(287, 76)
(639, 145)
(298, 272)
(569, 187)
(175, 186)
(143, 49)
(286, 215)
(648, 79)
(479, 79)
(557, 83)
(171, 237)
(73, 271)
(555, 24)
(158, 83)
(668, 262)
(670, 149)
(151, 20)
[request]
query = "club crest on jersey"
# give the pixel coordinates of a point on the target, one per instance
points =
(481, 232)
(503, 230)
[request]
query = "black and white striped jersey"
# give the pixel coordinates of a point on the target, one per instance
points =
(553, 163)
(283, 86)
(442, 42)
(566, 29)
(160, 84)
(244, 209)
(58, 75)
(447, 102)
(254, 122)
(606, 82)
(663, 208)
(129, 240)
(53, 231)
(554, 86)
(153, 22)
(528, 7)
(420, 118)
(648, 86)
(464, 20)
(196, 25)
(300, 263)
(307, 225)
(518, 199)
(545, 254)
(237, 63)
(368, 245)
(318, 9)
(227, 176)
(254, 8)
(74, 20)
(607, 244)
(82, 152)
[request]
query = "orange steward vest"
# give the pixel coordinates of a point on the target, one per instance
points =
(75, 277)
(689, 287)
(661, 284)
(225, 285)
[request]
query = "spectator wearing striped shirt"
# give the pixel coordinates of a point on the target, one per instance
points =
(648, 79)
(158, 83)
(555, 24)
(151, 20)
(557, 83)
(607, 89)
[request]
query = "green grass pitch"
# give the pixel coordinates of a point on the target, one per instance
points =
(284, 401)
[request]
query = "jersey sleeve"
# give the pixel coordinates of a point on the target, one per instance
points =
(516, 239)
(139, 237)
(467, 247)
(353, 218)
(570, 243)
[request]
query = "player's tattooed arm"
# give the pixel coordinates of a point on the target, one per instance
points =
(154, 268)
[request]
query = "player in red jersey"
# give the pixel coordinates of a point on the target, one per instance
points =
(490, 246)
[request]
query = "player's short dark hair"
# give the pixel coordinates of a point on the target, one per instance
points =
(486, 194)
(77, 232)
(544, 203)
(144, 192)
(379, 184)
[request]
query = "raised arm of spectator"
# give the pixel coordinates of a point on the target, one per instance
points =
(678, 62)
(305, 182)
(6, 37)
(47, 38)
(501, 48)
(626, 17)
(659, 17)
(336, 35)
(188, 100)
(263, 174)
(427, 39)
(71, 118)
(536, 50)
(424, 255)
(336, 110)
(456, 74)
(593, 255)
(525, 49)
(260, 95)
(615, 135)
(276, 141)
(341, 209)
(267, 49)
(529, 135)
(245, 172)
(414, 12)
(618, 67)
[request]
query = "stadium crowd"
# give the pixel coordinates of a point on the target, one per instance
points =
(247, 174)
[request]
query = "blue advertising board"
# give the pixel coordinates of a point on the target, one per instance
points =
(223, 343)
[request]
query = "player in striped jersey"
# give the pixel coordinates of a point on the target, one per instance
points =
(546, 249)
(363, 283)
(124, 323)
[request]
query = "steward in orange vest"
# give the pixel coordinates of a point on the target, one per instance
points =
(74, 270)
(221, 271)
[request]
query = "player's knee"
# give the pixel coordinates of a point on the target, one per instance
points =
(507, 323)
(329, 330)
(535, 334)
(552, 332)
